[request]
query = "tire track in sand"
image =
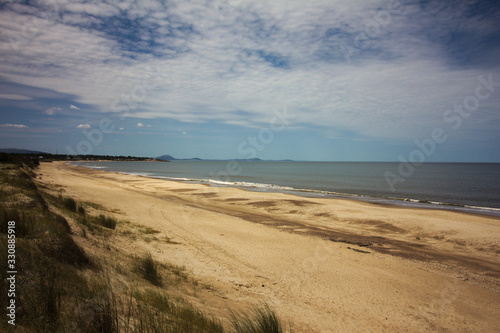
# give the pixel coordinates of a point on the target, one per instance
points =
(208, 251)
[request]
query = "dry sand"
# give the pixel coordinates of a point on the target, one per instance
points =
(327, 265)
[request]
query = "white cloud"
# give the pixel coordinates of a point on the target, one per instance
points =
(14, 125)
(95, 9)
(74, 107)
(83, 126)
(15, 97)
(52, 111)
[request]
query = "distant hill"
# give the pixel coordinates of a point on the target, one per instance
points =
(166, 158)
(171, 158)
(20, 151)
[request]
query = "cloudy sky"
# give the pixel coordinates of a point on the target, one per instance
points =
(297, 79)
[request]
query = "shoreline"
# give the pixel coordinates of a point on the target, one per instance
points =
(325, 264)
(272, 188)
(207, 193)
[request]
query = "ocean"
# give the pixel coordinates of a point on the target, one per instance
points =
(469, 187)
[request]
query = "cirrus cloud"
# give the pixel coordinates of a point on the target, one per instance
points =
(14, 125)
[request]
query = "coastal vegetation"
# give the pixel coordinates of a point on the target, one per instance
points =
(71, 277)
(36, 157)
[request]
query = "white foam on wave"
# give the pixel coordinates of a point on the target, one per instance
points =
(250, 184)
(87, 166)
(484, 208)
(264, 186)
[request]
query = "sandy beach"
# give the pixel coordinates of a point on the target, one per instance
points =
(325, 265)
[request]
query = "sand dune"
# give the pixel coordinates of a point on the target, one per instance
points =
(324, 264)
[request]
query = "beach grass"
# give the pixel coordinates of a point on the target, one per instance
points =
(262, 319)
(179, 316)
(69, 203)
(106, 221)
(61, 288)
(149, 269)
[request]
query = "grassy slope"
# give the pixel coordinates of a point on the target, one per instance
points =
(60, 287)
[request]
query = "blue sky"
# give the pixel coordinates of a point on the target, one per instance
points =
(304, 80)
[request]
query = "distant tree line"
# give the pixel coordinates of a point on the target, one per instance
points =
(35, 159)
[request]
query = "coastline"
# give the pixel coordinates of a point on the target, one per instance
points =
(390, 199)
(426, 269)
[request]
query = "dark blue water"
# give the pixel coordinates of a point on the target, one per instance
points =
(472, 187)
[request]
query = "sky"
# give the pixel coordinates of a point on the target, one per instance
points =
(311, 80)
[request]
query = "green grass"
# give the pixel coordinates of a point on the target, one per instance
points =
(99, 310)
(148, 231)
(174, 316)
(25, 220)
(263, 320)
(105, 221)
(94, 205)
(177, 270)
(46, 287)
(149, 269)
(77, 211)
(71, 205)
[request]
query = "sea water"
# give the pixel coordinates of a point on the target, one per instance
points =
(473, 187)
